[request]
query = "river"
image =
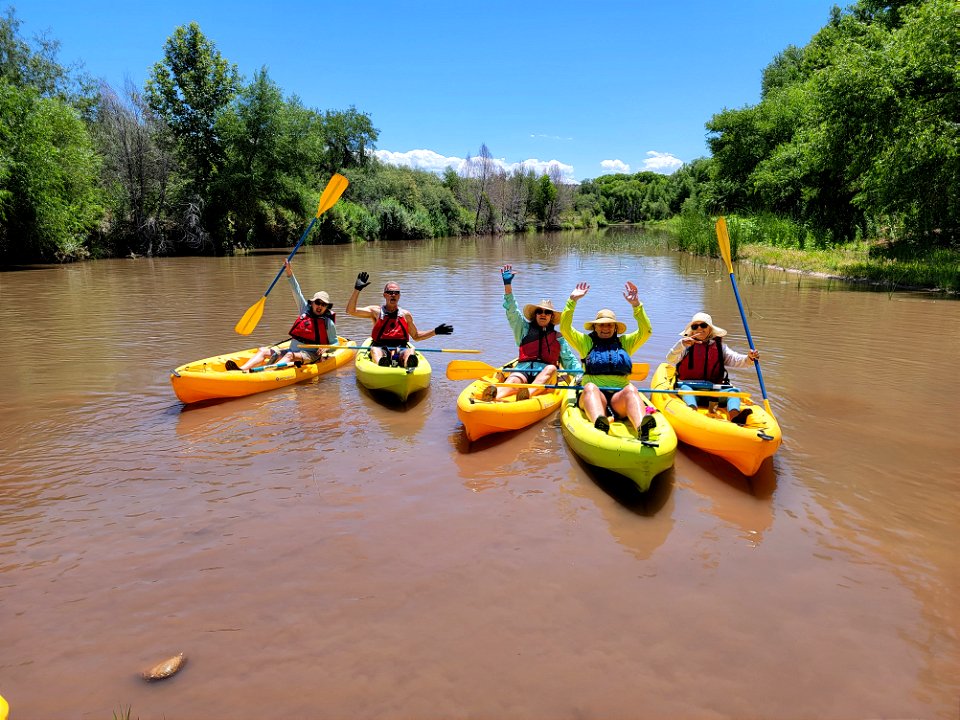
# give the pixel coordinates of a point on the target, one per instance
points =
(318, 553)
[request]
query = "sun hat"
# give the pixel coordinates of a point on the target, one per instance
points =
(606, 316)
(322, 297)
(703, 317)
(528, 311)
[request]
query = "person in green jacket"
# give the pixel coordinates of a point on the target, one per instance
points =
(606, 351)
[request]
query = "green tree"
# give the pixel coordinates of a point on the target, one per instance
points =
(189, 89)
(544, 197)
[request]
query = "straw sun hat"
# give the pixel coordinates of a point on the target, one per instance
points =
(703, 317)
(322, 296)
(606, 316)
(528, 311)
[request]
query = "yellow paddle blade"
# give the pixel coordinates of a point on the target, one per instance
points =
(469, 370)
(338, 183)
(251, 317)
(724, 241)
(639, 371)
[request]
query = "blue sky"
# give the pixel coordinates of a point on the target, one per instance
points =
(596, 87)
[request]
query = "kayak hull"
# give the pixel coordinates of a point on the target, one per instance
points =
(482, 417)
(743, 446)
(207, 379)
(620, 450)
(398, 382)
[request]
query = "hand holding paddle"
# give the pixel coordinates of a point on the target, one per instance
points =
(338, 183)
(723, 240)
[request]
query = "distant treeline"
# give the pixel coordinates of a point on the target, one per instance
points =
(856, 135)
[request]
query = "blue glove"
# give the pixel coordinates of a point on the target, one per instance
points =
(507, 276)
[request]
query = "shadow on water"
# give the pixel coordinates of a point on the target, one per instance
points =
(463, 445)
(390, 401)
(761, 485)
(625, 491)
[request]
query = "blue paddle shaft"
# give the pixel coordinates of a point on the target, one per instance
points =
(743, 317)
(290, 256)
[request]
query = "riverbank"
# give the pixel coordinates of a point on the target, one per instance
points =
(890, 266)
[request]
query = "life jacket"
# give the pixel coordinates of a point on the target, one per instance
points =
(390, 329)
(607, 357)
(541, 344)
(703, 361)
(312, 329)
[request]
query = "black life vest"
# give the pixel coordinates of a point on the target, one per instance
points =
(607, 357)
(312, 329)
(703, 361)
(391, 329)
(541, 344)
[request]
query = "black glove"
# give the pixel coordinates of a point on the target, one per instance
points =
(443, 330)
(363, 279)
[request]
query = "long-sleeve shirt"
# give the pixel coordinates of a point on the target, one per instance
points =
(521, 326)
(731, 358)
(583, 343)
(303, 305)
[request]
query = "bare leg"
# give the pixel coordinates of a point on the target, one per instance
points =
(544, 377)
(593, 402)
(627, 403)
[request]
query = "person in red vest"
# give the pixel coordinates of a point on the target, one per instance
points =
(393, 327)
(314, 326)
(702, 359)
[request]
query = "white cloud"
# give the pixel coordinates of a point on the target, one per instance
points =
(434, 162)
(616, 166)
(663, 163)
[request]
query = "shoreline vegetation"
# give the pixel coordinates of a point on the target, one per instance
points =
(847, 166)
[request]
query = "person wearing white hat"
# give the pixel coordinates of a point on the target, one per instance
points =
(606, 352)
(702, 359)
(314, 326)
(542, 350)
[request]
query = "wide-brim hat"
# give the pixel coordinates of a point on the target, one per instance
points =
(528, 311)
(323, 297)
(703, 317)
(605, 316)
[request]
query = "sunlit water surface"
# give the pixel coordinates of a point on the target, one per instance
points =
(317, 552)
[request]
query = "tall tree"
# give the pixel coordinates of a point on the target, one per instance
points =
(189, 89)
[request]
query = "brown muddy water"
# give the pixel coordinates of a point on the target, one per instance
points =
(317, 553)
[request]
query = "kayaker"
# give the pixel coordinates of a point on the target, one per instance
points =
(314, 326)
(393, 327)
(607, 364)
(542, 349)
(702, 359)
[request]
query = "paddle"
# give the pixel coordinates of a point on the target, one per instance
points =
(475, 369)
(360, 347)
(724, 241)
(710, 393)
(338, 183)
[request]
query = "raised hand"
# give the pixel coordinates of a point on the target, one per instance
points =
(579, 291)
(506, 272)
(443, 329)
(287, 269)
(630, 293)
(363, 279)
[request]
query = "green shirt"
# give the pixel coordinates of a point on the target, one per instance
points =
(583, 343)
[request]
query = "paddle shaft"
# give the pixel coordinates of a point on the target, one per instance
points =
(476, 369)
(723, 239)
(643, 390)
(368, 347)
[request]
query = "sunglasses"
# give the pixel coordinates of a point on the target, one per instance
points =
(699, 326)
(541, 311)
(391, 292)
(318, 302)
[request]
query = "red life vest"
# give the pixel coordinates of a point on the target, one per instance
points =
(312, 329)
(391, 329)
(703, 361)
(541, 345)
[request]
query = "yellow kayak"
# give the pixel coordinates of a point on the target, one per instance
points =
(207, 379)
(744, 446)
(483, 417)
(397, 381)
(620, 450)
